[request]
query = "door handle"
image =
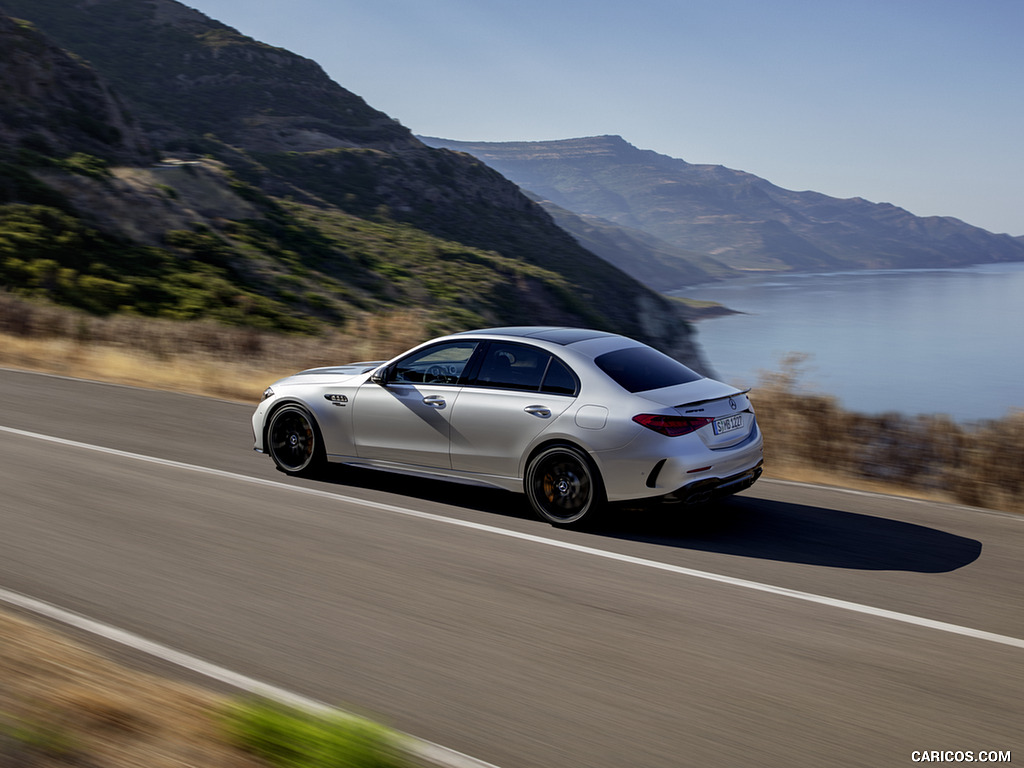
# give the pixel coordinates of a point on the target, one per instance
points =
(538, 410)
(434, 401)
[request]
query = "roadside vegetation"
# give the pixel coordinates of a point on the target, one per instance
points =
(64, 706)
(808, 436)
(199, 357)
(289, 738)
(291, 269)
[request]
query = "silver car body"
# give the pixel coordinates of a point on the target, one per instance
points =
(438, 410)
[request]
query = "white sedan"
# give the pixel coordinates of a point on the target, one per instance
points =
(573, 418)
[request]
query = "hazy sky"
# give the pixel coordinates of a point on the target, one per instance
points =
(919, 103)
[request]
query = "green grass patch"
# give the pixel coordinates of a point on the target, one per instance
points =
(293, 738)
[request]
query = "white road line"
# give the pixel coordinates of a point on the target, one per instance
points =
(808, 597)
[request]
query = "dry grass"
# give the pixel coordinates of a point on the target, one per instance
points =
(63, 705)
(199, 358)
(195, 373)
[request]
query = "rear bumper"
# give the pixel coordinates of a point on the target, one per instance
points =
(655, 466)
(709, 489)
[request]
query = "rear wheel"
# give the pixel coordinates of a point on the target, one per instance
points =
(293, 441)
(562, 485)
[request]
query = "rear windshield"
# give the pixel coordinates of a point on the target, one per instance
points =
(639, 369)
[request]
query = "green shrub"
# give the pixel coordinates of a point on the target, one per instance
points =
(85, 165)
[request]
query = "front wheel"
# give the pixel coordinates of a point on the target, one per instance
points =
(562, 485)
(293, 441)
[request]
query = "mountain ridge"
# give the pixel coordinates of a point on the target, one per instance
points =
(732, 216)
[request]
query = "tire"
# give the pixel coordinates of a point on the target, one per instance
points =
(294, 442)
(563, 487)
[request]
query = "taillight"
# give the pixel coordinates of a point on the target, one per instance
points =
(673, 426)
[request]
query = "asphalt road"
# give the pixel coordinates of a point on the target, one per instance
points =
(795, 626)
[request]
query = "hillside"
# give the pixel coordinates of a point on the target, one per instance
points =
(652, 261)
(56, 104)
(734, 217)
(186, 75)
(281, 199)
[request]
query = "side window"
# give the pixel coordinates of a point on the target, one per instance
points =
(525, 369)
(559, 380)
(512, 366)
(440, 364)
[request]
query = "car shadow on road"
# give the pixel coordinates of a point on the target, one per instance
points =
(797, 533)
(744, 526)
(482, 499)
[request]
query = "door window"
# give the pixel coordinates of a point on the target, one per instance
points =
(512, 366)
(439, 364)
(524, 369)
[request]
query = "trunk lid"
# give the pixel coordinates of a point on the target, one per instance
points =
(730, 413)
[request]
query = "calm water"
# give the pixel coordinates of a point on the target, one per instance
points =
(912, 341)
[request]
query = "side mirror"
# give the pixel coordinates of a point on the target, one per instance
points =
(381, 376)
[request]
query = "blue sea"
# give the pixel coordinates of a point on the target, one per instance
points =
(911, 341)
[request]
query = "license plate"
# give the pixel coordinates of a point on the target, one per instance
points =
(728, 424)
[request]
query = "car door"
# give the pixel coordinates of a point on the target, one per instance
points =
(406, 418)
(517, 393)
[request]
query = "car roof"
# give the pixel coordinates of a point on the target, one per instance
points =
(550, 333)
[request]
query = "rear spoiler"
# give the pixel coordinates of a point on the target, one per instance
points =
(737, 393)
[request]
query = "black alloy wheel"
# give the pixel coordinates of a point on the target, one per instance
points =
(293, 441)
(562, 485)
